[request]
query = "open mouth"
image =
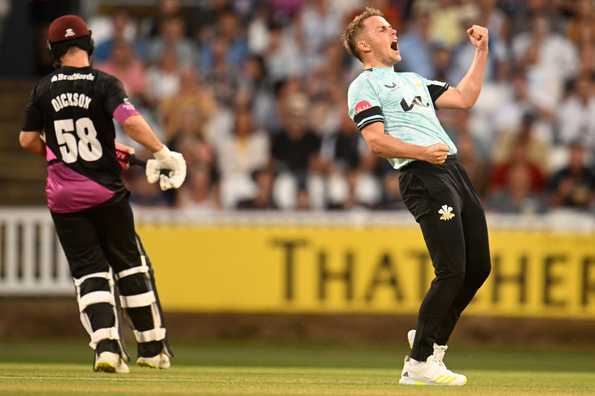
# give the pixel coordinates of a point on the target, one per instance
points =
(395, 45)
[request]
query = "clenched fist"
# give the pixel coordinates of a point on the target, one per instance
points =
(479, 36)
(436, 154)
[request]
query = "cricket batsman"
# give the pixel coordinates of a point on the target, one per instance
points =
(396, 114)
(69, 121)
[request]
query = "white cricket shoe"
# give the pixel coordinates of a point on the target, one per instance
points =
(160, 361)
(430, 372)
(110, 362)
(437, 357)
(439, 350)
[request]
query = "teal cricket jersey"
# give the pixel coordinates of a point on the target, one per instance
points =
(404, 102)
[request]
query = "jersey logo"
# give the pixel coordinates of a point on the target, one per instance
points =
(69, 33)
(393, 85)
(362, 105)
(445, 213)
(416, 101)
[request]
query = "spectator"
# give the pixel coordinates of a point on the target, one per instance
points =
(446, 21)
(488, 117)
(581, 30)
(122, 29)
(516, 195)
(125, 66)
(240, 156)
(537, 150)
(572, 186)
(295, 151)
(317, 24)
(192, 97)
(341, 152)
(418, 48)
(519, 157)
(118, 25)
(171, 35)
(255, 81)
(221, 74)
(476, 165)
(511, 114)
(263, 200)
(164, 78)
(167, 9)
(576, 116)
(282, 55)
(227, 46)
(199, 194)
(549, 59)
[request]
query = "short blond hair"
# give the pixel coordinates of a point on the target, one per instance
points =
(355, 27)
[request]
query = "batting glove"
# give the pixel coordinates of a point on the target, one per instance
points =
(169, 161)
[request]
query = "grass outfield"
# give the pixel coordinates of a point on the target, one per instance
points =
(264, 369)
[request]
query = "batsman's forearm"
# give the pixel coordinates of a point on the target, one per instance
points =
(389, 147)
(139, 130)
(470, 85)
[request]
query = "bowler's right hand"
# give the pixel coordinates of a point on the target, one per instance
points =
(435, 154)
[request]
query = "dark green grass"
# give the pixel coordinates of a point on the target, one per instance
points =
(237, 368)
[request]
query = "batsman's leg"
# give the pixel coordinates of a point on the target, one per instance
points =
(94, 288)
(136, 286)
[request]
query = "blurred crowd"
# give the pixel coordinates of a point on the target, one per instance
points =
(253, 93)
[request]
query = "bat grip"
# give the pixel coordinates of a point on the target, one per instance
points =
(133, 160)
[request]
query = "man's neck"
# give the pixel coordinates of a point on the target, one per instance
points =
(376, 65)
(75, 59)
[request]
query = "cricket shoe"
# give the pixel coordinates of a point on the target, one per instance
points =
(110, 362)
(439, 350)
(160, 361)
(430, 372)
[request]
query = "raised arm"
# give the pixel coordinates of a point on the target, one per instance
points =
(387, 146)
(465, 94)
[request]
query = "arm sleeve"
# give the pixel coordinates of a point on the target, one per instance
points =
(114, 94)
(116, 101)
(436, 88)
(364, 104)
(33, 116)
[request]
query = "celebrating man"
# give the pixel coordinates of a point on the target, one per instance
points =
(396, 114)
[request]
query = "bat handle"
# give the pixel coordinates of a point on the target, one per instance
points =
(134, 160)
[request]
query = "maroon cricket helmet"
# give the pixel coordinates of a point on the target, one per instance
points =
(69, 31)
(67, 27)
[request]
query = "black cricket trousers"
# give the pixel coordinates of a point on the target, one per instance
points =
(452, 220)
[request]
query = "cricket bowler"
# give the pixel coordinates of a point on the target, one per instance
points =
(396, 114)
